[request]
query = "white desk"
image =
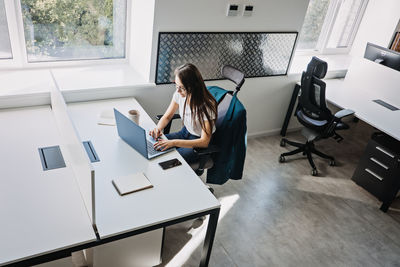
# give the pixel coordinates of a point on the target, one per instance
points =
(41, 211)
(178, 194)
(364, 82)
(367, 81)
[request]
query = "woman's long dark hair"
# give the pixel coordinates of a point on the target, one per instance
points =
(202, 103)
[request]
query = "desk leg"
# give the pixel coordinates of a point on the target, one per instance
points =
(390, 196)
(385, 206)
(209, 240)
(290, 109)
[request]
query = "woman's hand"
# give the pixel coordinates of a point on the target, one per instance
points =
(164, 144)
(155, 133)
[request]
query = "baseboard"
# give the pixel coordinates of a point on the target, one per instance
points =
(272, 132)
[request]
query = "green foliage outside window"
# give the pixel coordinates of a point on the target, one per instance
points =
(55, 27)
(313, 22)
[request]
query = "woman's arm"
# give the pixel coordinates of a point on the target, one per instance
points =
(202, 142)
(165, 119)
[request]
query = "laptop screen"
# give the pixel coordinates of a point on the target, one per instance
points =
(131, 133)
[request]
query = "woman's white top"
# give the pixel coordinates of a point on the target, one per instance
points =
(193, 127)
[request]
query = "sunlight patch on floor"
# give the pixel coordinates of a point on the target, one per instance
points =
(198, 234)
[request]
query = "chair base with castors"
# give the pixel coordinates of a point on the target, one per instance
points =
(307, 149)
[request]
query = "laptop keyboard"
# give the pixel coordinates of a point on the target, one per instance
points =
(150, 148)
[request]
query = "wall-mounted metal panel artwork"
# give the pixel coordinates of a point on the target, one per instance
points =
(257, 54)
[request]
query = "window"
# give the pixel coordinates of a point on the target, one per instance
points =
(345, 24)
(5, 46)
(312, 24)
(330, 26)
(61, 30)
(73, 30)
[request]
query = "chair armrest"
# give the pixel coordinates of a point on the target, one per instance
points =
(343, 113)
(206, 151)
(176, 116)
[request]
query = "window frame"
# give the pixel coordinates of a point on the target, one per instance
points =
(16, 60)
(9, 34)
(327, 28)
(18, 45)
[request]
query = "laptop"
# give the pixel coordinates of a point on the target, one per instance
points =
(136, 136)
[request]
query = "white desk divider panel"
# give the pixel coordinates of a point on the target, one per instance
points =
(74, 151)
(367, 81)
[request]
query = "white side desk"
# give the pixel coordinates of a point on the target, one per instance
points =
(41, 212)
(178, 194)
(366, 81)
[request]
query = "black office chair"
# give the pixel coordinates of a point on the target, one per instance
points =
(205, 154)
(313, 113)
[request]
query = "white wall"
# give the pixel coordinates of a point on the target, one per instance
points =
(141, 34)
(266, 98)
(377, 26)
(210, 15)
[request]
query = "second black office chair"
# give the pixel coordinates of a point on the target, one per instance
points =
(313, 113)
(205, 154)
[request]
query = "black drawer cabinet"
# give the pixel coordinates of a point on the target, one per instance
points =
(378, 171)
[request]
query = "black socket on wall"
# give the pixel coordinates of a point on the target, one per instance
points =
(233, 7)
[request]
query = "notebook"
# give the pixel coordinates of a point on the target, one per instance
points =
(106, 117)
(131, 183)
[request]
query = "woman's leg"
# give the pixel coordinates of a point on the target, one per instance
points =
(187, 153)
(177, 135)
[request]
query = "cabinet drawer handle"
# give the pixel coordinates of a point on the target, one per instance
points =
(384, 151)
(374, 174)
(379, 163)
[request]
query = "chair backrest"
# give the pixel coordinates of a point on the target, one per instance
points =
(234, 75)
(237, 77)
(312, 102)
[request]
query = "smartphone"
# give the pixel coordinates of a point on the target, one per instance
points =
(170, 163)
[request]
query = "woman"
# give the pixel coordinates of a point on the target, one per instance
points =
(198, 110)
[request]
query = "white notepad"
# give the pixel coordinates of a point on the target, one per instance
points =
(131, 183)
(106, 117)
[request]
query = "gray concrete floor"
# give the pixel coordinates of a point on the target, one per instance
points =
(280, 215)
